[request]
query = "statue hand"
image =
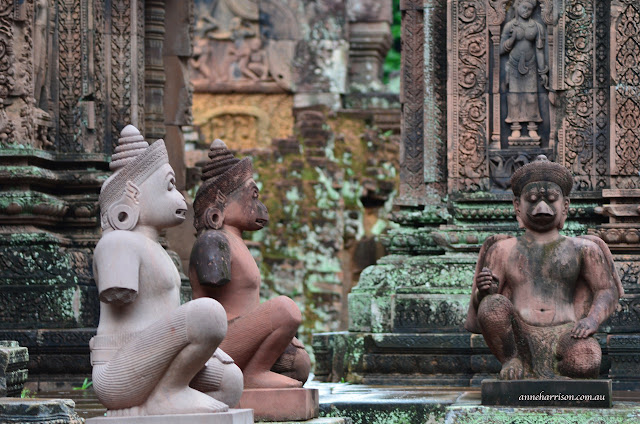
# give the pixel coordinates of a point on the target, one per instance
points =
(584, 328)
(487, 283)
(545, 81)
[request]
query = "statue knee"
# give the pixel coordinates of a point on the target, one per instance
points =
(206, 321)
(286, 313)
(231, 385)
(302, 365)
(495, 311)
(579, 358)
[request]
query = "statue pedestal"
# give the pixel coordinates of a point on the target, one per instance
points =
(232, 416)
(281, 404)
(556, 393)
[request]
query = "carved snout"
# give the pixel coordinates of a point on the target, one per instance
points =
(543, 209)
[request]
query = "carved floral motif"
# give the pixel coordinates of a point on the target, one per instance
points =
(627, 76)
(468, 165)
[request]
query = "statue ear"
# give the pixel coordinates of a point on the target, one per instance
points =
(565, 213)
(516, 208)
(213, 218)
(123, 216)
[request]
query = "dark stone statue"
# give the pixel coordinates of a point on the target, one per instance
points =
(538, 298)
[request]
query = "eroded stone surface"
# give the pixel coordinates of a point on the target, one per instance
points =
(538, 299)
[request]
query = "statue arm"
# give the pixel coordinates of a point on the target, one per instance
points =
(117, 268)
(486, 261)
(210, 260)
(543, 69)
(507, 39)
(601, 278)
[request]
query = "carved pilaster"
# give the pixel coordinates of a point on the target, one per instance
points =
(154, 15)
(125, 25)
(369, 42)
(625, 97)
(467, 96)
(412, 186)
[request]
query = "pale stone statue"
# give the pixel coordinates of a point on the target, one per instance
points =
(538, 299)
(260, 338)
(152, 356)
(523, 39)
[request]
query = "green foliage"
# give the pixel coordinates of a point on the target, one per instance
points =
(85, 385)
(27, 394)
(392, 61)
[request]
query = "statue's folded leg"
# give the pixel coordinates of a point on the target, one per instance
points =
(496, 319)
(256, 340)
(578, 358)
(220, 378)
(294, 362)
(129, 368)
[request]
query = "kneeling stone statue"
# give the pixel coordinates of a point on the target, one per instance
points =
(152, 356)
(538, 299)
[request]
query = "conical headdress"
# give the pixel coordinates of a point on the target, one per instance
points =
(133, 160)
(223, 173)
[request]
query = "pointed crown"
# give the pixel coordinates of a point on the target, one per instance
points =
(133, 160)
(223, 173)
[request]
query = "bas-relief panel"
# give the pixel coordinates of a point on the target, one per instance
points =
(243, 121)
(553, 95)
(271, 46)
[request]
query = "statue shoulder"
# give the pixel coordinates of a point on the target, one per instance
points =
(498, 242)
(212, 240)
(211, 258)
(119, 242)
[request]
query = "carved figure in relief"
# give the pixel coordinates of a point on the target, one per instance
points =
(523, 39)
(538, 298)
(151, 355)
(260, 338)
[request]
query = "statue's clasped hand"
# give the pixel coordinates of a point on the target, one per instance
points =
(584, 328)
(487, 283)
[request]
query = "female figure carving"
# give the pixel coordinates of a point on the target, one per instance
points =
(523, 39)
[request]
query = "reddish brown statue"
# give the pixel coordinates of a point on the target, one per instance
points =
(260, 336)
(537, 299)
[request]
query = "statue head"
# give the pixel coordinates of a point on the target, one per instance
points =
(525, 8)
(228, 193)
(142, 188)
(541, 194)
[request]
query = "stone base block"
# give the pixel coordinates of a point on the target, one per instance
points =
(13, 367)
(38, 411)
(544, 393)
(534, 415)
(232, 416)
(281, 404)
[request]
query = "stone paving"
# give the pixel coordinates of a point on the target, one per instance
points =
(365, 404)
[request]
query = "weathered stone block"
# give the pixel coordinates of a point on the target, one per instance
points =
(13, 368)
(38, 411)
(418, 313)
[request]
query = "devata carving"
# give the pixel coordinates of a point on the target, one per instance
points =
(261, 335)
(152, 356)
(537, 299)
(523, 40)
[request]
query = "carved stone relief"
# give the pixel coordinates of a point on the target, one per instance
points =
(229, 53)
(625, 72)
(244, 120)
(264, 47)
(468, 102)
